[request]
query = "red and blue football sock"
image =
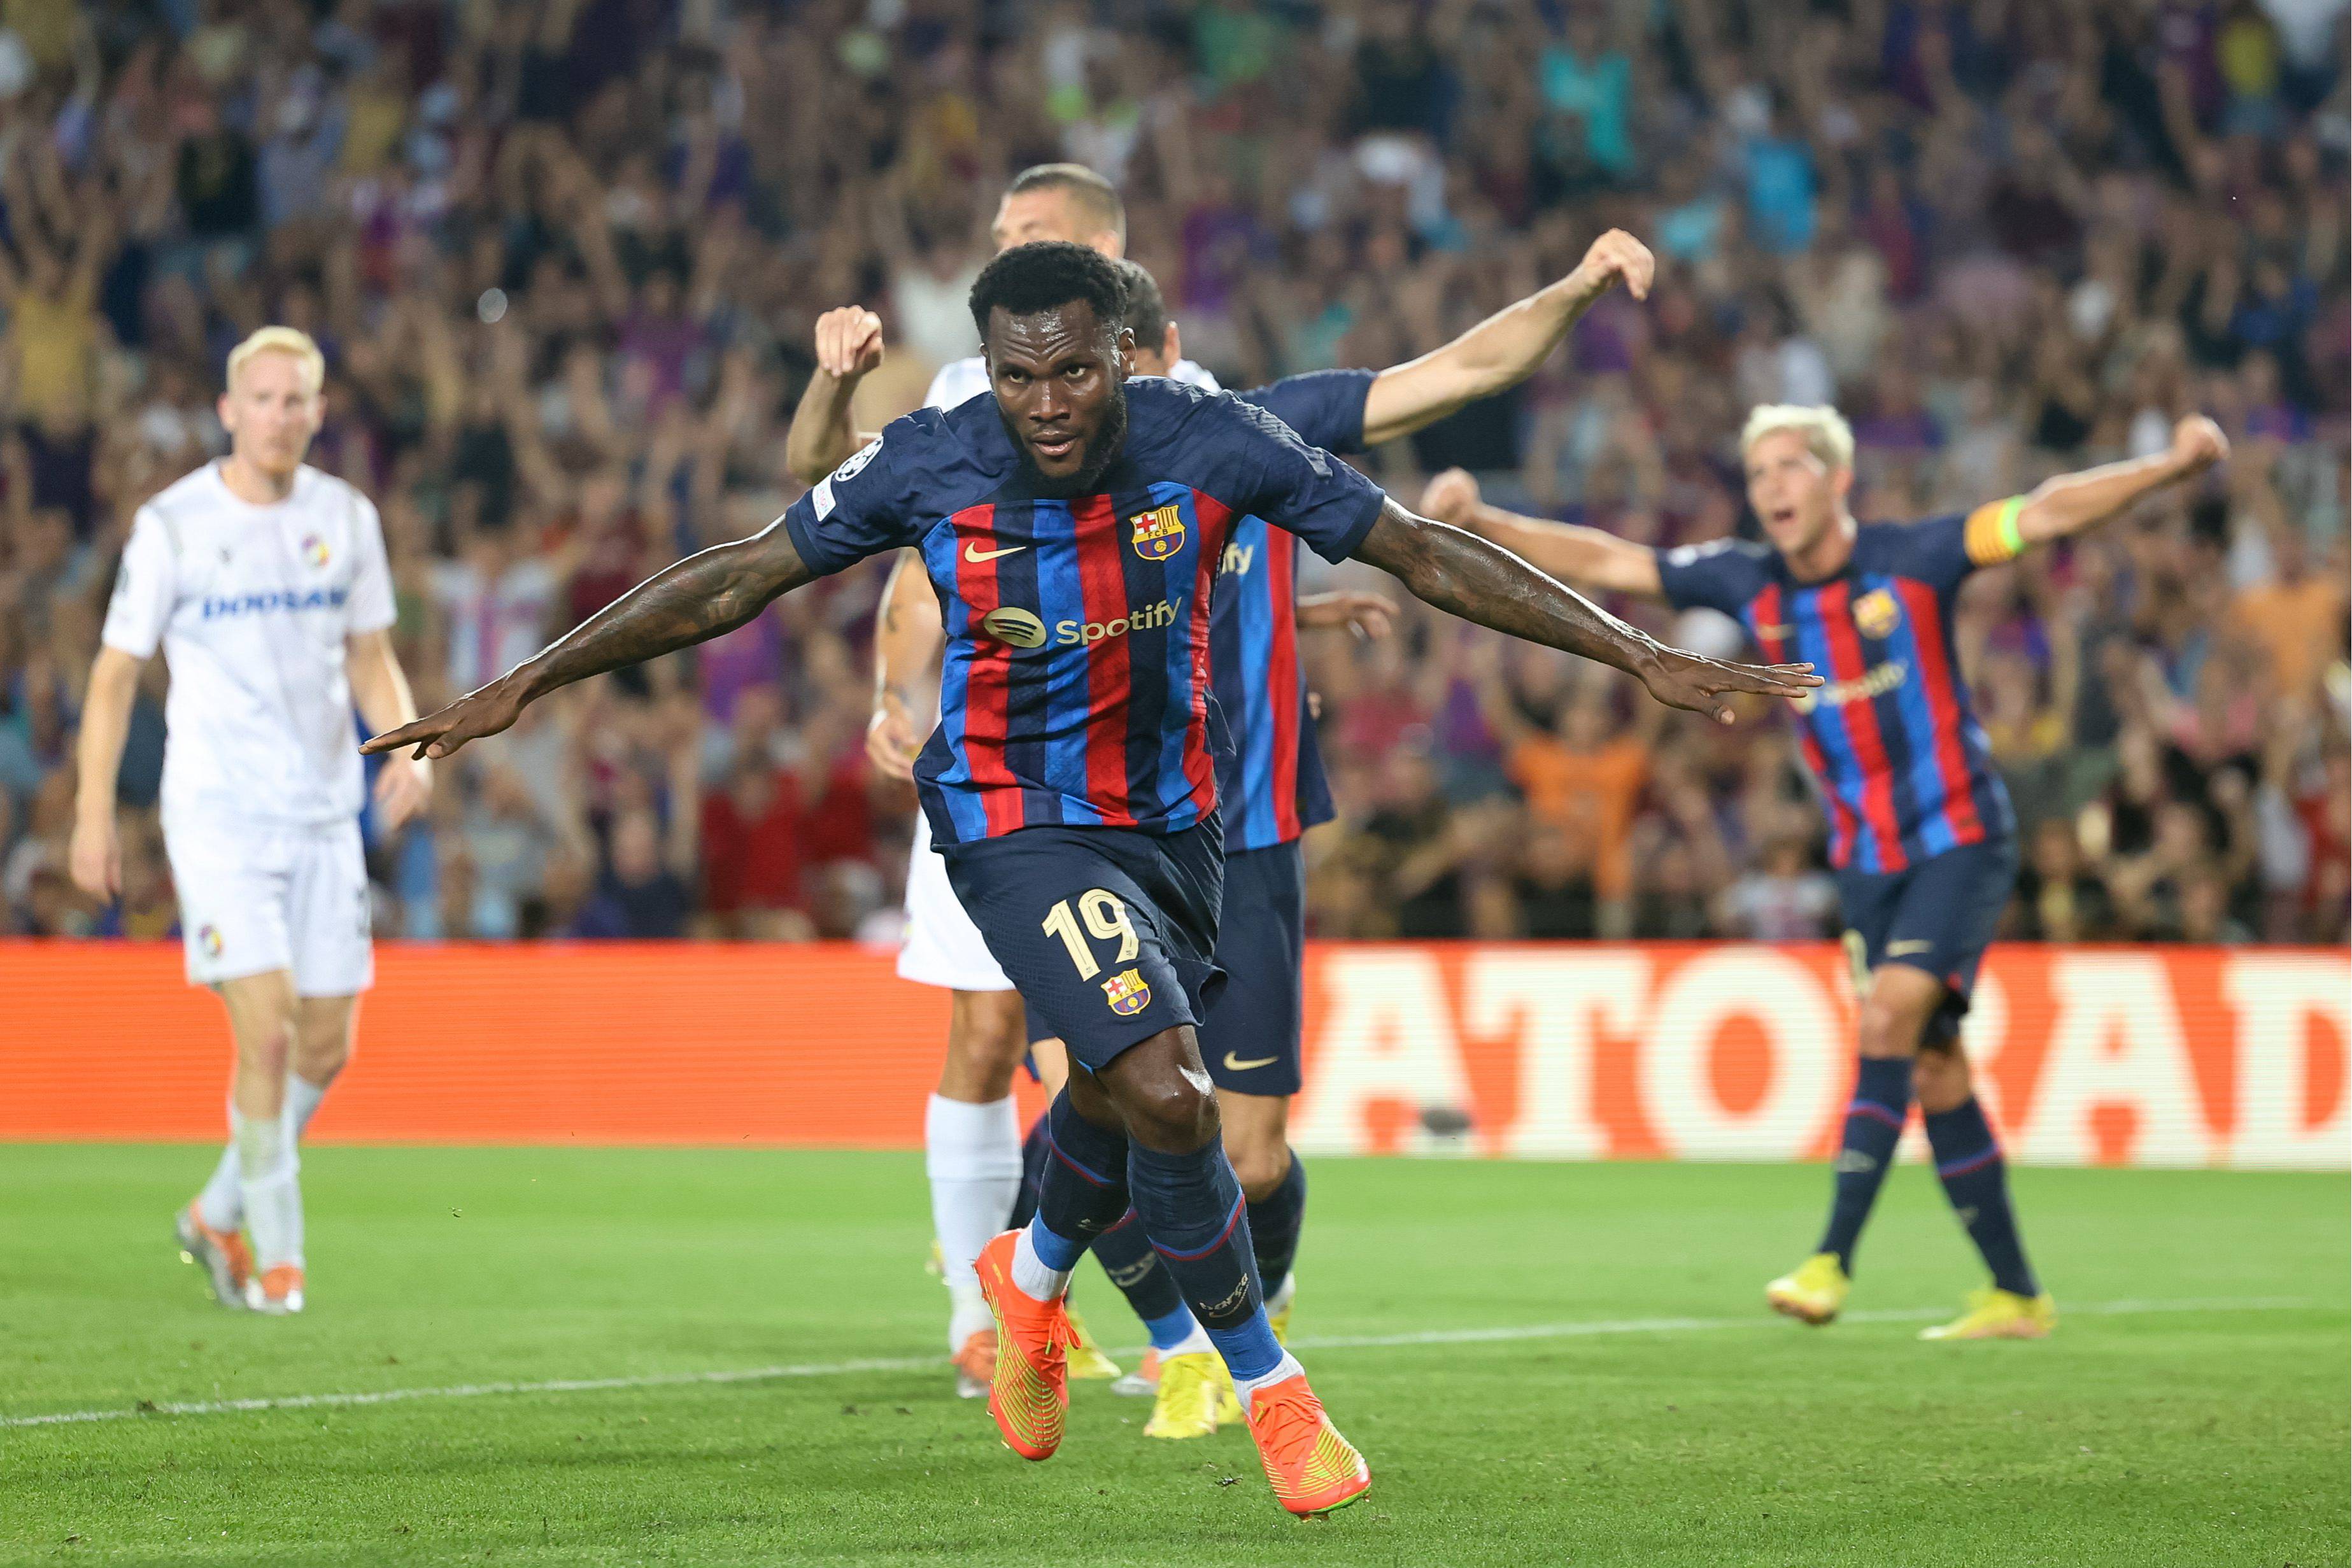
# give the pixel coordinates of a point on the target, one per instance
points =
(1873, 1125)
(1976, 1179)
(1274, 1221)
(1191, 1208)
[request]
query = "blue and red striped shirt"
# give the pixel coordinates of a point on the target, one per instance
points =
(1272, 782)
(1901, 763)
(1076, 687)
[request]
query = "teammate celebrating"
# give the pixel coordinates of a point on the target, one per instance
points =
(265, 583)
(1074, 523)
(1922, 837)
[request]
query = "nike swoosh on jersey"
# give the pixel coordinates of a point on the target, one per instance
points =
(974, 554)
(1781, 630)
(1236, 1064)
(1897, 949)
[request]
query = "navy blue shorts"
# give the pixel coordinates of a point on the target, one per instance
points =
(1108, 934)
(1250, 1042)
(1939, 915)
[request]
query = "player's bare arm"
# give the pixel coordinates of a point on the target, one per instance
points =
(94, 856)
(1504, 349)
(1467, 576)
(823, 434)
(2072, 502)
(380, 690)
(704, 596)
(908, 635)
(1587, 559)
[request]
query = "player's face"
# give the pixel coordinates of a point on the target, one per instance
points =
(1028, 216)
(271, 411)
(1060, 378)
(1795, 494)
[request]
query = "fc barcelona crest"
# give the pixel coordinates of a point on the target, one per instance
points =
(1126, 991)
(1159, 533)
(1875, 614)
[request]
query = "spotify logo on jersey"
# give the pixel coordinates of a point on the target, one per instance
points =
(1018, 627)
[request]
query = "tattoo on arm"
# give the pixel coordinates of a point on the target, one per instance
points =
(1464, 575)
(701, 597)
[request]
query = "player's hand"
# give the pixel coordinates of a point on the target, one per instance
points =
(94, 857)
(1617, 256)
(1365, 614)
(848, 342)
(893, 739)
(1452, 498)
(487, 711)
(402, 787)
(2197, 445)
(1685, 680)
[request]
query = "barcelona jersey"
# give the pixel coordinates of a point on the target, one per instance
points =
(1076, 687)
(1900, 760)
(1272, 782)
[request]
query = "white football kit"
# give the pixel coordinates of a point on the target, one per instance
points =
(943, 947)
(262, 781)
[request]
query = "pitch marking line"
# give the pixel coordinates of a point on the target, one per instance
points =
(927, 1363)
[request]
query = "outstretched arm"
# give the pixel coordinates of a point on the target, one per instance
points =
(697, 598)
(2072, 502)
(1504, 349)
(1588, 557)
(823, 435)
(1479, 582)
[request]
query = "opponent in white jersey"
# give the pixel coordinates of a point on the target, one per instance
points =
(265, 583)
(971, 1131)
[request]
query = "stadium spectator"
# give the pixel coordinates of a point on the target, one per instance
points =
(566, 270)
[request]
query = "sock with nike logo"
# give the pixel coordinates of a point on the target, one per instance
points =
(1976, 1179)
(1274, 1223)
(1192, 1209)
(1873, 1125)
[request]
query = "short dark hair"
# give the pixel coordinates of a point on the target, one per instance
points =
(1088, 189)
(1032, 277)
(1147, 307)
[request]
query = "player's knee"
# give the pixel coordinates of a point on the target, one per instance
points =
(1258, 1164)
(988, 1031)
(1939, 1078)
(1889, 1026)
(1167, 1111)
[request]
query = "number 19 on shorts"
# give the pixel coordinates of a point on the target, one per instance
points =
(1105, 917)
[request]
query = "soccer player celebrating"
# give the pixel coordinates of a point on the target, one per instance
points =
(1074, 524)
(265, 583)
(1922, 837)
(971, 1131)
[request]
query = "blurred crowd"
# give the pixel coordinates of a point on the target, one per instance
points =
(564, 257)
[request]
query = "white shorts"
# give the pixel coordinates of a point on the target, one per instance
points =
(943, 947)
(256, 898)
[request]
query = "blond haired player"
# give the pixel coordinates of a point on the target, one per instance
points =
(1922, 836)
(265, 583)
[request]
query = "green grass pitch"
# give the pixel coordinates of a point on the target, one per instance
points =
(2191, 1410)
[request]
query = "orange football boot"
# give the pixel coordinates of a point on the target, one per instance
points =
(278, 1292)
(222, 1254)
(1029, 1393)
(1312, 1468)
(975, 1363)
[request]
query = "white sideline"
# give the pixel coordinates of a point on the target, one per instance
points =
(927, 1363)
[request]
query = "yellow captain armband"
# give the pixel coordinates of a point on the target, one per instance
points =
(1991, 535)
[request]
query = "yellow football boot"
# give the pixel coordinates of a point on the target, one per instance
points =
(1813, 1292)
(1087, 1361)
(1278, 1311)
(1191, 1387)
(2000, 1314)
